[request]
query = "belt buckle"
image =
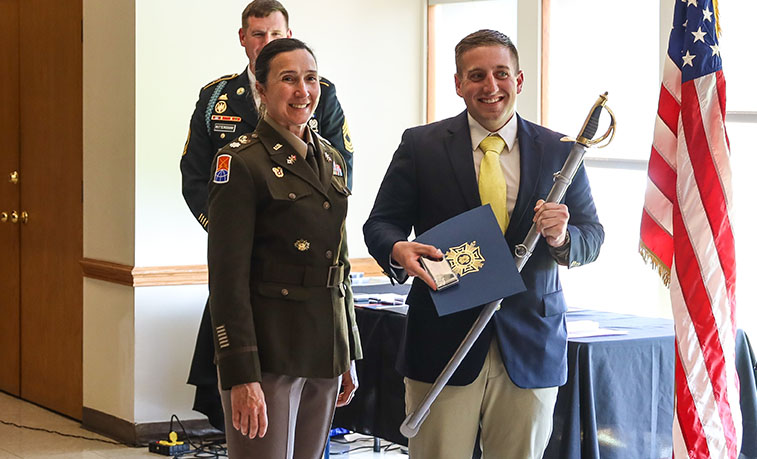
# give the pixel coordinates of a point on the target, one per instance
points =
(333, 279)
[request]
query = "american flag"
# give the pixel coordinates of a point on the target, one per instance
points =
(686, 232)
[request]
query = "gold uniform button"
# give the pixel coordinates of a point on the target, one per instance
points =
(223, 136)
(329, 254)
(284, 292)
(326, 205)
(292, 196)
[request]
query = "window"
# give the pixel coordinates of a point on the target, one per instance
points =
(584, 62)
(624, 48)
(450, 22)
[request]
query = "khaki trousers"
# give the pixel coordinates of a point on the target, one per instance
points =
(300, 411)
(515, 423)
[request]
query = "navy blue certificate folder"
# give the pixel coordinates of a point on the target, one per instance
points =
(478, 253)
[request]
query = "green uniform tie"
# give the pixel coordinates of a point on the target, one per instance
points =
(492, 185)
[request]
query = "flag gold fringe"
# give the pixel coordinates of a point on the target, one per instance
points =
(717, 17)
(650, 258)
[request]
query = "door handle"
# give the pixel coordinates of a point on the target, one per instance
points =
(13, 177)
(15, 217)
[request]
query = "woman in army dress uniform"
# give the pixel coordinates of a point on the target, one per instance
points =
(280, 298)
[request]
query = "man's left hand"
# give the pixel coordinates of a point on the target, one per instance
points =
(552, 221)
(349, 386)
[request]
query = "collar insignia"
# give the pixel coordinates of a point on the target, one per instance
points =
(302, 245)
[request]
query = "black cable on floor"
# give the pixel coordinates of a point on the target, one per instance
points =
(55, 432)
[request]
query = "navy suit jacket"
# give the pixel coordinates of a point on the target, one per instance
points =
(432, 178)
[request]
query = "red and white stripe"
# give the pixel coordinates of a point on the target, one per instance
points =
(686, 231)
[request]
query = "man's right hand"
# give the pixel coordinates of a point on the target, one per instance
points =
(249, 412)
(407, 254)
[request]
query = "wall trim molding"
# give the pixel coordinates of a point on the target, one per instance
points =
(141, 434)
(150, 276)
(153, 276)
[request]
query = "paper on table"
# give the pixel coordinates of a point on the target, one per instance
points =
(385, 299)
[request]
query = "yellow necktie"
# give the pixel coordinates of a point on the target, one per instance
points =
(491, 180)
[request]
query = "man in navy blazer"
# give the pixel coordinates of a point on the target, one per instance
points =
(513, 370)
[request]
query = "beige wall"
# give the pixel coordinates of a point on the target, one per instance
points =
(109, 207)
(108, 349)
(109, 114)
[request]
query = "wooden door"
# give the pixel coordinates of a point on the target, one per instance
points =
(9, 200)
(48, 101)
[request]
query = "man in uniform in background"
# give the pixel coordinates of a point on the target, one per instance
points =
(227, 108)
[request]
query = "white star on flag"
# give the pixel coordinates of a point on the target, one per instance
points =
(699, 35)
(707, 14)
(688, 59)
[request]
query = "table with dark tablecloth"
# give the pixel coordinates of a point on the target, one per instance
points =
(617, 402)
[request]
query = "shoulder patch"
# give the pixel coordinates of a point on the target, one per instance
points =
(223, 169)
(223, 78)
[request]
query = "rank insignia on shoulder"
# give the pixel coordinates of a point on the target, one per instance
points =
(347, 138)
(338, 170)
(278, 171)
(244, 140)
(220, 106)
(302, 245)
(223, 97)
(291, 159)
(223, 169)
(277, 147)
(240, 91)
(235, 144)
(313, 123)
